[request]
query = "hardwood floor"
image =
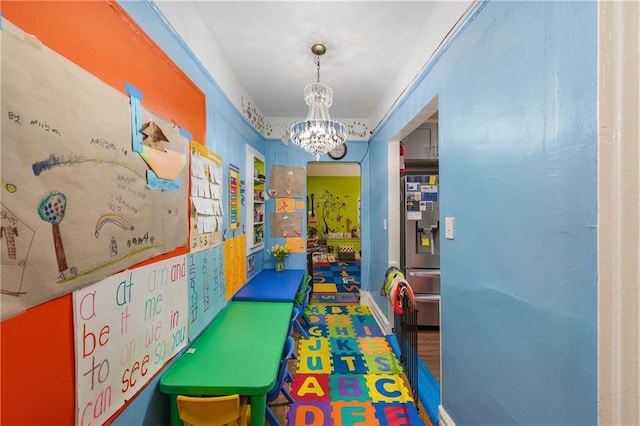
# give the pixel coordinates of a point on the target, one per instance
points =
(429, 348)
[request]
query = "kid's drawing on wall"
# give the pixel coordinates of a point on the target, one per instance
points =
(79, 206)
(118, 220)
(286, 181)
(284, 205)
(52, 210)
(9, 233)
(18, 238)
(165, 164)
(286, 225)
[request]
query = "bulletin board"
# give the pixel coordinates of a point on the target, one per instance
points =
(206, 198)
(85, 33)
(82, 205)
(126, 327)
(207, 292)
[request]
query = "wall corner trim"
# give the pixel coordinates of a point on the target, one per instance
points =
(618, 214)
(443, 417)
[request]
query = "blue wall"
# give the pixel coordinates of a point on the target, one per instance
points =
(518, 154)
(227, 134)
(227, 130)
(517, 106)
(291, 155)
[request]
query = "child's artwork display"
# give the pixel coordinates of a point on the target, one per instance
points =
(297, 244)
(126, 328)
(206, 198)
(286, 225)
(285, 205)
(286, 181)
(79, 201)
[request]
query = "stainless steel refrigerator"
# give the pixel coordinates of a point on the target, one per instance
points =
(420, 246)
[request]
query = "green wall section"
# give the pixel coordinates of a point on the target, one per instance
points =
(336, 202)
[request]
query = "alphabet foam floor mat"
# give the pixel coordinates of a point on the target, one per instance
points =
(336, 277)
(347, 374)
(335, 297)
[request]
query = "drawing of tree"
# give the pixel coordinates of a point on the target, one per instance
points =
(52, 210)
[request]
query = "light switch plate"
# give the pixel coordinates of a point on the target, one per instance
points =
(449, 228)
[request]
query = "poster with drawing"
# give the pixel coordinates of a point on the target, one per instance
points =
(77, 205)
(286, 181)
(284, 205)
(126, 327)
(286, 225)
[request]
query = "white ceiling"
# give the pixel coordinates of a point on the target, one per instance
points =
(374, 48)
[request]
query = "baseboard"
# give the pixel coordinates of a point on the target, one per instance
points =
(443, 417)
(378, 315)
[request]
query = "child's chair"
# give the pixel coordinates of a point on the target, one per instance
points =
(301, 301)
(289, 353)
(303, 307)
(279, 386)
(303, 297)
(295, 313)
(302, 290)
(214, 410)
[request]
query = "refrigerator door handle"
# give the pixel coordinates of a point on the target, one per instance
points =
(427, 298)
(424, 273)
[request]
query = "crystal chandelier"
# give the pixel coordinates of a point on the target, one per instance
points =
(318, 134)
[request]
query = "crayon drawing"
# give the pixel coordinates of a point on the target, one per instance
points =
(76, 203)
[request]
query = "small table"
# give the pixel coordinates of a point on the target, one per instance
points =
(239, 352)
(272, 286)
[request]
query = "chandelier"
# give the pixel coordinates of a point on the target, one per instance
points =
(318, 134)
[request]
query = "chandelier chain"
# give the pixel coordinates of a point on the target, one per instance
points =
(318, 68)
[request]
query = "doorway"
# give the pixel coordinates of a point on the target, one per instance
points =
(420, 234)
(424, 155)
(333, 229)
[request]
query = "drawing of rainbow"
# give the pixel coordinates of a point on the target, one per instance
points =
(114, 218)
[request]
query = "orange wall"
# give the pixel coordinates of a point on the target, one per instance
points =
(37, 383)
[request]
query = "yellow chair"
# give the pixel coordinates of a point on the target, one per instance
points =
(214, 410)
